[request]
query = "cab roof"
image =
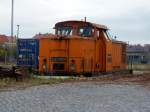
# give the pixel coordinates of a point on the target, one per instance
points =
(98, 26)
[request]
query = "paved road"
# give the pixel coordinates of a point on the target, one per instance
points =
(77, 97)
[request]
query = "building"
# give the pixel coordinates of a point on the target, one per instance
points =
(7, 47)
(7, 39)
(3, 39)
(138, 54)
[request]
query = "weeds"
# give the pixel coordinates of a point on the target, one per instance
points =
(30, 81)
(6, 81)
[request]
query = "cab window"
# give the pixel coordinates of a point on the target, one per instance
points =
(65, 31)
(85, 31)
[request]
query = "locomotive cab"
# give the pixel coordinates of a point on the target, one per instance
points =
(80, 47)
(68, 31)
(75, 28)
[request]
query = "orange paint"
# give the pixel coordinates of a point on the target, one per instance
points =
(81, 47)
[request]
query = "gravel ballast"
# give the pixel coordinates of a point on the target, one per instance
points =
(77, 97)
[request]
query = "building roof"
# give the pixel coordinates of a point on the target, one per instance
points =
(4, 39)
(138, 48)
(119, 42)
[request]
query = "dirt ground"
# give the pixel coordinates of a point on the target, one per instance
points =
(140, 79)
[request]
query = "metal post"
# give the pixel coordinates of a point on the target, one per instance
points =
(12, 19)
(17, 37)
(18, 29)
(131, 69)
(85, 19)
(128, 59)
(12, 29)
(131, 62)
(5, 55)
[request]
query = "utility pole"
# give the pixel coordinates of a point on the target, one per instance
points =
(12, 30)
(18, 29)
(12, 19)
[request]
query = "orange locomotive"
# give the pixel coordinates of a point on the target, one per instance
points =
(81, 47)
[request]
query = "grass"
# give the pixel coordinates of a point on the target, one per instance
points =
(32, 81)
(141, 67)
(8, 83)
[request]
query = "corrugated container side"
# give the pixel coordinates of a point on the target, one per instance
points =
(28, 52)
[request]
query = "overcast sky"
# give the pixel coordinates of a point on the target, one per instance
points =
(129, 20)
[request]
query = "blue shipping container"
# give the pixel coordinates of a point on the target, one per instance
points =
(28, 52)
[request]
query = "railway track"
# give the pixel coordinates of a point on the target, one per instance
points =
(12, 72)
